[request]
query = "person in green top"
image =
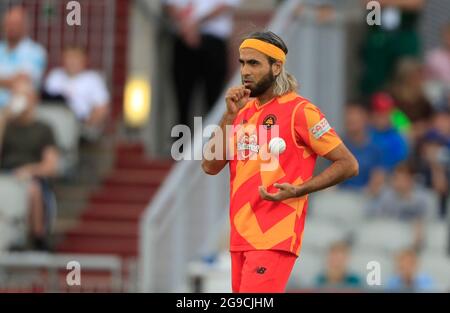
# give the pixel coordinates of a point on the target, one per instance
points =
(385, 44)
(336, 274)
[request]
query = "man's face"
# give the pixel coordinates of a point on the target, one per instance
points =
(406, 265)
(257, 73)
(381, 120)
(74, 61)
(338, 258)
(441, 123)
(14, 24)
(355, 120)
(402, 182)
(446, 37)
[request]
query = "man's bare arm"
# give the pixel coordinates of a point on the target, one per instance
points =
(47, 167)
(344, 165)
(213, 167)
(235, 99)
(221, 9)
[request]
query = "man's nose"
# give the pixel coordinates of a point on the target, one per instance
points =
(245, 71)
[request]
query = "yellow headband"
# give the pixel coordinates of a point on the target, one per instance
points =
(264, 47)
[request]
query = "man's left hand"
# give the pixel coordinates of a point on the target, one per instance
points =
(286, 191)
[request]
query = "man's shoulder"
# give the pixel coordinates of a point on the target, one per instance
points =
(91, 77)
(293, 98)
(29, 44)
(250, 103)
(58, 72)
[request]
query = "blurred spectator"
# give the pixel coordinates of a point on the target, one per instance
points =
(433, 157)
(200, 49)
(393, 145)
(404, 200)
(438, 60)
(29, 152)
(336, 274)
(22, 61)
(408, 92)
(385, 44)
(360, 143)
(84, 90)
(407, 278)
(322, 11)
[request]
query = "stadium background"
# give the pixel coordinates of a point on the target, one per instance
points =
(136, 220)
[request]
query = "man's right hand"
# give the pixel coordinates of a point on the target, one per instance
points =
(236, 98)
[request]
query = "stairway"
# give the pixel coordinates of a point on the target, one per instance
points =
(109, 224)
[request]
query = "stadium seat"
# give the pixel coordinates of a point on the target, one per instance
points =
(383, 235)
(66, 131)
(359, 261)
(306, 269)
(13, 211)
(432, 200)
(344, 207)
(438, 267)
(320, 234)
(436, 238)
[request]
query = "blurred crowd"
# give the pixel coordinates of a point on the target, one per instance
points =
(29, 150)
(406, 277)
(399, 129)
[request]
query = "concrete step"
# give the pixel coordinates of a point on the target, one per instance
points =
(135, 177)
(124, 247)
(113, 212)
(103, 229)
(123, 195)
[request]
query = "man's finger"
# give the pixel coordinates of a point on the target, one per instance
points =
(283, 186)
(267, 196)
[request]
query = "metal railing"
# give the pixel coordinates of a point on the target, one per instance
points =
(183, 221)
(29, 270)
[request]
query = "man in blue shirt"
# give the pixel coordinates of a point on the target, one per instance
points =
(392, 144)
(407, 278)
(22, 61)
(359, 142)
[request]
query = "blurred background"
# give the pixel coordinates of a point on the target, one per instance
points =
(90, 91)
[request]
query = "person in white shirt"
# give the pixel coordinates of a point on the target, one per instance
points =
(438, 60)
(202, 29)
(84, 90)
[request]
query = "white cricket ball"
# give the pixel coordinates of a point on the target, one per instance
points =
(277, 145)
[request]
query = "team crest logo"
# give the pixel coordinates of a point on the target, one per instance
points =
(269, 121)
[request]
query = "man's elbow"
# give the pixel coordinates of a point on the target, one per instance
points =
(208, 169)
(353, 168)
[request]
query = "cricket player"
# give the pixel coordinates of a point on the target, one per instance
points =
(268, 207)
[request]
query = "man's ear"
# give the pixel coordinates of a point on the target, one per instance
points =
(276, 68)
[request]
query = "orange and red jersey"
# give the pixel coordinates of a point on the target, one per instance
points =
(258, 224)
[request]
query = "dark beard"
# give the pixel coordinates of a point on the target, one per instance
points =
(261, 87)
